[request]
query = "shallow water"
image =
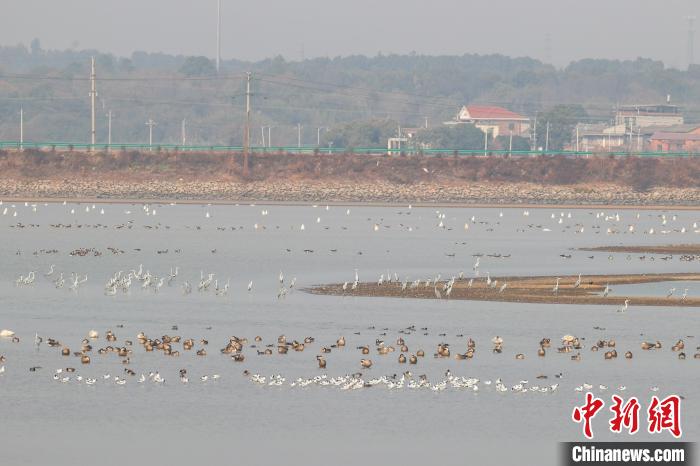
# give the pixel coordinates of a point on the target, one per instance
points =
(233, 418)
(673, 290)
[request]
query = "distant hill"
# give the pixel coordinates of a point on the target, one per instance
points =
(319, 94)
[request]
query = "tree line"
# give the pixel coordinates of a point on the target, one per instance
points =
(345, 101)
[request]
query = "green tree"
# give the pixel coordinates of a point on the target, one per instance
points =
(467, 137)
(372, 133)
(562, 120)
(197, 66)
(519, 143)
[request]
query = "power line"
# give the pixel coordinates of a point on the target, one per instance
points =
(154, 78)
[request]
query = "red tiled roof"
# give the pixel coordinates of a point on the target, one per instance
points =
(661, 136)
(482, 112)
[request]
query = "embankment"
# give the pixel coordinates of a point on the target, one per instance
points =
(351, 178)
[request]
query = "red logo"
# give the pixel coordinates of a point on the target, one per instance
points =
(665, 415)
(587, 412)
(661, 415)
(626, 416)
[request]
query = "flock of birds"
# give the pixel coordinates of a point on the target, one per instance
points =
(122, 281)
(59, 281)
(443, 287)
(127, 352)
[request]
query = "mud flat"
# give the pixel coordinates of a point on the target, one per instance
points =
(351, 177)
(338, 191)
(686, 249)
(527, 290)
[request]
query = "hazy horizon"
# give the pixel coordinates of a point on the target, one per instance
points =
(624, 29)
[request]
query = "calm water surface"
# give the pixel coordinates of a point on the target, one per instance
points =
(233, 419)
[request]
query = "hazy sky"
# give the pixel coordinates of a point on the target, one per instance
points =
(263, 28)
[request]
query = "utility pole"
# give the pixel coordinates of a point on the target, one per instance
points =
(21, 128)
(691, 40)
(150, 123)
(109, 130)
(486, 141)
(398, 140)
(218, 36)
(426, 122)
(318, 135)
(546, 140)
(183, 131)
(534, 135)
(299, 135)
(510, 144)
(269, 139)
(93, 94)
(639, 138)
(246, 135)
(548, 48)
